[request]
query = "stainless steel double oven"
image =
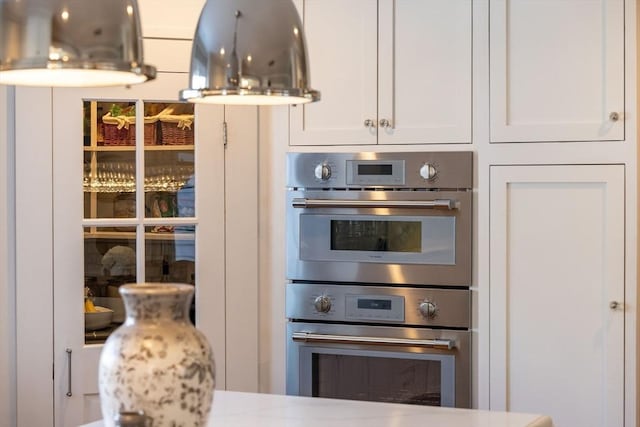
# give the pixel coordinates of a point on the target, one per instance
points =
(379, 270)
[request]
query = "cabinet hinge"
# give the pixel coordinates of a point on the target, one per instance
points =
(224, 134)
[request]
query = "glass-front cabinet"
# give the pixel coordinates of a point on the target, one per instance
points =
(139, 185)
(137, 195)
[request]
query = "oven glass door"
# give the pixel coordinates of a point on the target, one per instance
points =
(378, 239)
(379, 363)
(382, 376)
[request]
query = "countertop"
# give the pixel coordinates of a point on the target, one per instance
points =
(269, 410)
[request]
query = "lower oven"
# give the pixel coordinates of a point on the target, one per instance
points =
(378, 343)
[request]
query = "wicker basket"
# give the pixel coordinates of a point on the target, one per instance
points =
(176, 129)
(121, 130)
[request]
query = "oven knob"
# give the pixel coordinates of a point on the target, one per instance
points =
(427, 309)
(323, 171)
(428, 171)
(322, 304)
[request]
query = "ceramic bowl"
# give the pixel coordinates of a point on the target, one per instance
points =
(101, 318)
(115, 304)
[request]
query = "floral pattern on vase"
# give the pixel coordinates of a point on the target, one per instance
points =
(157, 362)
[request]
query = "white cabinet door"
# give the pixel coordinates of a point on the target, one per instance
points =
(424, 66)
(556, 265)
(556, 70)
(342, 48)
(7, 236)
(33, 264)
(390, 72)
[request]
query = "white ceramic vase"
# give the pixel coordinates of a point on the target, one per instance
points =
(157, 362)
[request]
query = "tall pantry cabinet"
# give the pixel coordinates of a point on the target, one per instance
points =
(107, 194)
(559, 217)
(552, 114)
(94, 215)
(129, 207)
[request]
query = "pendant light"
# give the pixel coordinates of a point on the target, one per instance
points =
(71, 43)
(249, 52)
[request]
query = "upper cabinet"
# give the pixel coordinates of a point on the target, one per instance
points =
(557, 70)
(390, 72)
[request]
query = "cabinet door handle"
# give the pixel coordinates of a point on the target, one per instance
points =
(614, 117)
(69, 393)
(385, 123)
(369, 123)
(614, 305)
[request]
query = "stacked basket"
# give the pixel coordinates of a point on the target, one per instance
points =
(176, 125)
(121, 129)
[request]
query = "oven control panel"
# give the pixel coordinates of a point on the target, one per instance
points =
(376, 308)
(414, 170)
(373, 304)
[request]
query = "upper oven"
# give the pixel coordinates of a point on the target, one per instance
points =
(394, 218)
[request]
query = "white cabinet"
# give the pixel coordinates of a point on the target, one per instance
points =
(136, 212)
(557, 70)
(63, 234)
(556, 274)
(390, 72)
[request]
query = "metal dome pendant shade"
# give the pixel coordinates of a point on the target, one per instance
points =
(71, 43)
(249, 52)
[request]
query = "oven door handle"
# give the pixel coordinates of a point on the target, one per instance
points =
(327, 203)
(345, 339)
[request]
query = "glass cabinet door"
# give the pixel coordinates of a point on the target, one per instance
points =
(139, 186)
(125, 210)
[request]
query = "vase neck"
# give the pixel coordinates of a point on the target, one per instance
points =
(157, 302)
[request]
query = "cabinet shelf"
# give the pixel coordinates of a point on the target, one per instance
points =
(132, 235)
(109, 148)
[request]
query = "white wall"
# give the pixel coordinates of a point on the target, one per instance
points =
(7, 270)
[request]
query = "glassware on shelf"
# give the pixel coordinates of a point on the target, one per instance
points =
(169, 178)
(110, 177)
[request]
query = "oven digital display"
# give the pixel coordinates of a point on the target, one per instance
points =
(376, 308)
(374, 304)
(375, 169)
(382, 236)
